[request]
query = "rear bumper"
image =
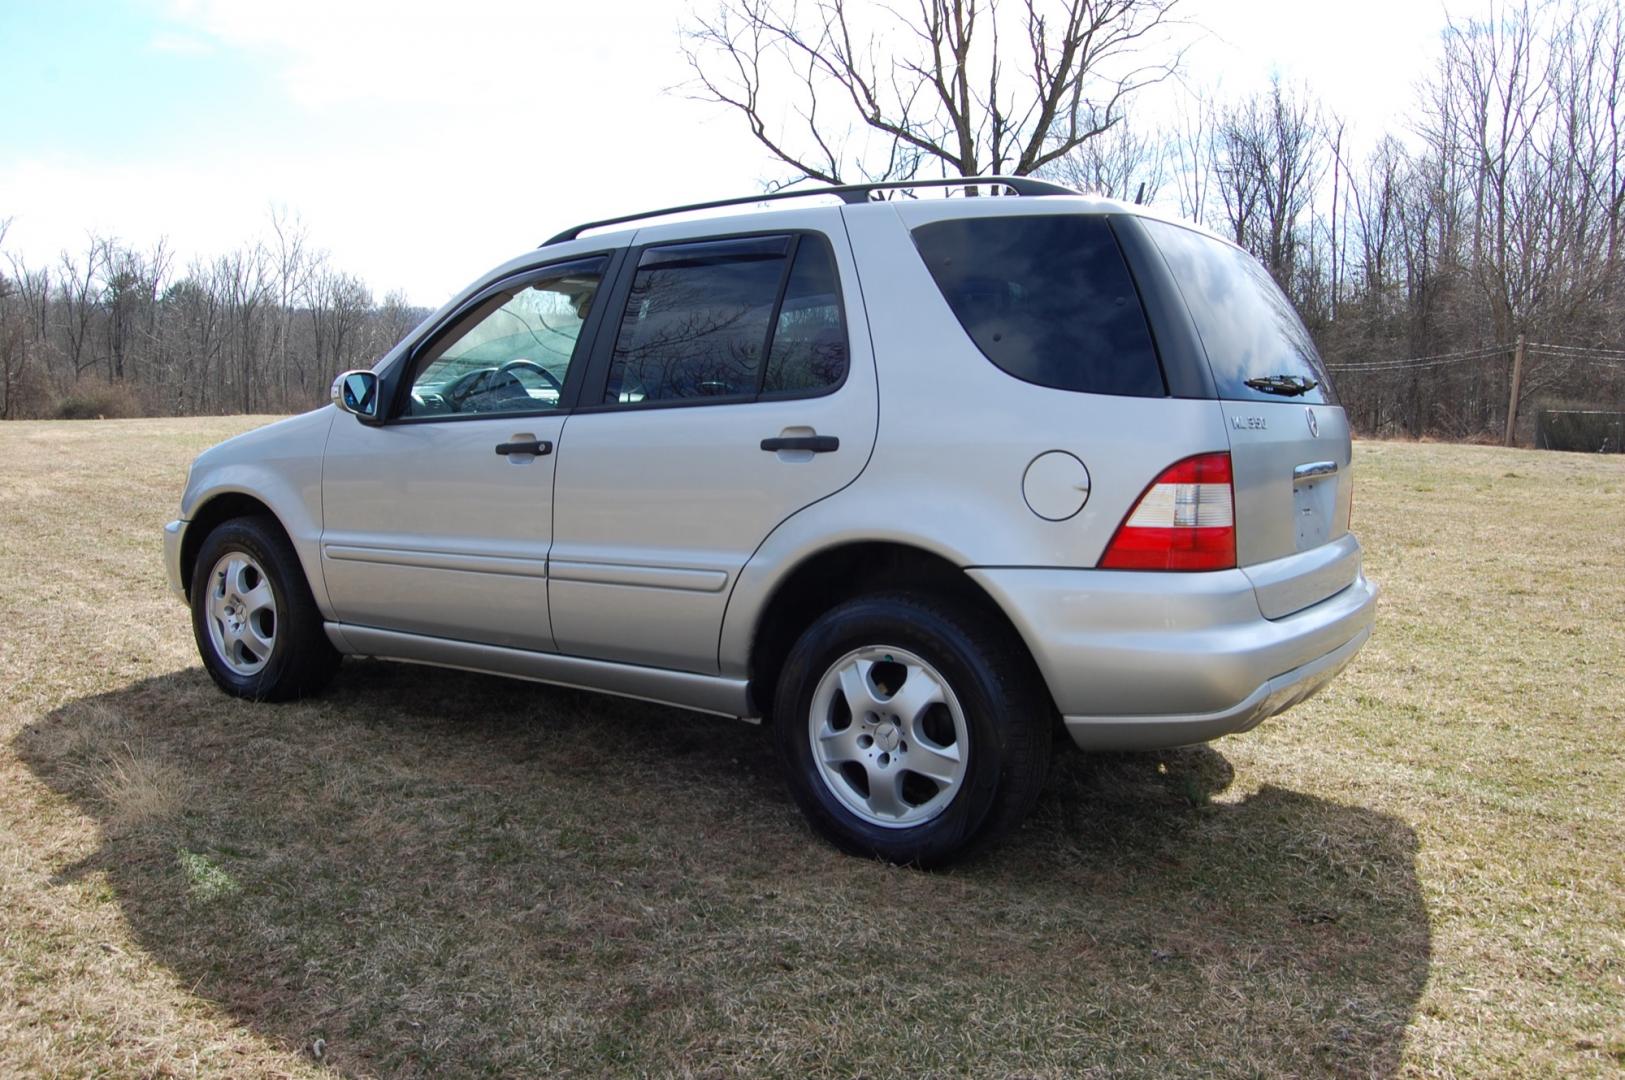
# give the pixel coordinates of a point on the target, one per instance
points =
(1139, 661)
(174, 532)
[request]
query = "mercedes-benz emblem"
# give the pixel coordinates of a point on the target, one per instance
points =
(1314, 425)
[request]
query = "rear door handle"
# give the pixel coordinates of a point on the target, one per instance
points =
(818, 444)
(525, 446)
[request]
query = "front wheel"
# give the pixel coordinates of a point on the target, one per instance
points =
(910, 730)
(257, 627)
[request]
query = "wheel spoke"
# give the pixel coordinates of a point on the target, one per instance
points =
(918, 693)
(941, 764)
(259, 598)
(885, 792)
(839, 746)
(219, 594)
(859, 690)
(258, 642)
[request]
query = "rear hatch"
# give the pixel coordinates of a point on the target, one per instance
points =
(1289, 437)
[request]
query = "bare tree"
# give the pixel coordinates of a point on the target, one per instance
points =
(1190, 160)
(293, 266)
(1504, 216)
(79, 297)
(1267, 160)
(837, 89)
(12, 354)
(1492, 93)
(1122, 163)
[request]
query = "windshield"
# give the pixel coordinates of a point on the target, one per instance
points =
(1248, 327)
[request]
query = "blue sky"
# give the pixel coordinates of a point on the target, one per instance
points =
(422, 143)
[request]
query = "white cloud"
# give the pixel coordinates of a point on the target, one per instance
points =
(420, 145)
(1362, 62)
(179, 44)
(424, 143)
(479, 53)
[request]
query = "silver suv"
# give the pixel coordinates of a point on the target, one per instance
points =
(915, 481)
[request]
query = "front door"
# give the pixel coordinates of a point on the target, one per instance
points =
(731, 396)
(438, 521)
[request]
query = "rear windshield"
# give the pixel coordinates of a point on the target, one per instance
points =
(1047, 298)
(1248, 327)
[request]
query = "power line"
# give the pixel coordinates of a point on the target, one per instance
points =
(1417, 362)
(1577, 354)
(1569, 358)
(1579, 350)
(1462, 354)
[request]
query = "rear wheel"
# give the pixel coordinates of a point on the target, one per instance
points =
(256, 623)
(910, 731)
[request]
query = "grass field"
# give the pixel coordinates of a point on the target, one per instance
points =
(1420, 872)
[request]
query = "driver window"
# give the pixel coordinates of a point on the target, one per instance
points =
(512, 353)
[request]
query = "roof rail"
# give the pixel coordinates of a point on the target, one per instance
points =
(848, 193)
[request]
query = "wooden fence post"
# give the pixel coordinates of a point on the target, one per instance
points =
(1517, 384)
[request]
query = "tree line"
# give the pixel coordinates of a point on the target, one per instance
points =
(1417, 260)
(115, 330)
(1418, 263)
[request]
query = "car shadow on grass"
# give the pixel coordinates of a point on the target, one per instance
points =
(433, 872)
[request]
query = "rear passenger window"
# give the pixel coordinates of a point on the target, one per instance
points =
(696, 322)
(731, 319)
(1046, 298)
(809, 338)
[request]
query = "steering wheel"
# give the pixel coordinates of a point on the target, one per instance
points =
(458, 393)
(531, 365)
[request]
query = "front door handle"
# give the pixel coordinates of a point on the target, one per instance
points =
(818, 444)
(525, 446)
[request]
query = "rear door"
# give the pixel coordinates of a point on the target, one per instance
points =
(734, 385)
(1289, 437)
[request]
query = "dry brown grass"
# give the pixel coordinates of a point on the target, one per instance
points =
(1420, 872)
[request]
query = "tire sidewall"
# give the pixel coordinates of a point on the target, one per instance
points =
(249, 538)
(895, 622)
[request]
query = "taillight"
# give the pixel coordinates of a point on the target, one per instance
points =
(1186, 520)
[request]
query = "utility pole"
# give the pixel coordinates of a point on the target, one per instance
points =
(1517, 384)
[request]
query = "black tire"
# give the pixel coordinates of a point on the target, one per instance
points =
(1006, 710)
(301, 660)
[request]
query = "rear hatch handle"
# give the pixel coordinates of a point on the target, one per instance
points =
(1289, 385)
(1314, 468)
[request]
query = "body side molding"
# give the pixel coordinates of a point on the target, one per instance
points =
(685, 689)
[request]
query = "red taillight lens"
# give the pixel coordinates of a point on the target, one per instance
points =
(1186, 520)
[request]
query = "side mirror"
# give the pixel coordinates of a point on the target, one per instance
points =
(356, 392)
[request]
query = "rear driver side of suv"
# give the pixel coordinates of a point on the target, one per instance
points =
(908, 479)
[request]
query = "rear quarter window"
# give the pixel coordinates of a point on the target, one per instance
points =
(1047, 298)
(1248, 327)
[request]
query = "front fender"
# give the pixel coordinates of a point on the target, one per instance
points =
(279, 465)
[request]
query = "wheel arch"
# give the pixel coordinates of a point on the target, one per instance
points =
(821, 580)
(214, 511)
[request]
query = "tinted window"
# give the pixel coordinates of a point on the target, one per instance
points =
(1249, 329)
(809, 339)
(1047, 298)
(513, 352)
(696, 323)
